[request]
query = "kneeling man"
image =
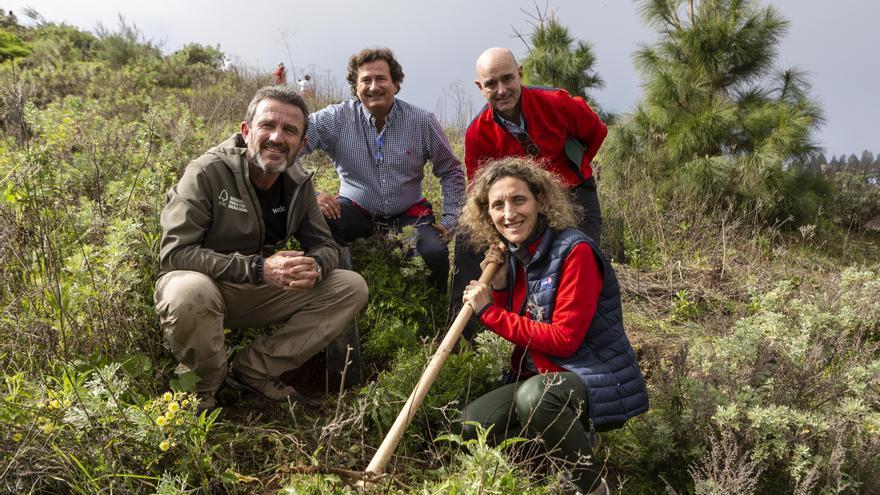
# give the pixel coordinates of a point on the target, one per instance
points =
(224, 262)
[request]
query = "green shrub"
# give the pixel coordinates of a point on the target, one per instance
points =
(53, 428)
(123, 46)
(465, 376)
(192, 65)
(482, 469)
(857, 201)
(789, 384)
(11, 46)
(403, 307)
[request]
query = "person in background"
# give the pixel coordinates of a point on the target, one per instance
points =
(306, 86)
(280, 74)
(379, 145)
(557, 299)
(223, 262)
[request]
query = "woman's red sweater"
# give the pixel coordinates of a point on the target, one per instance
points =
(576, 297)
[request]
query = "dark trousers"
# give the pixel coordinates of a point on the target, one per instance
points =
(356, 223)
(587, 197)
(467, 261)
(552, 406)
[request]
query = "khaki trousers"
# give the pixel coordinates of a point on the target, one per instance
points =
(194, 309)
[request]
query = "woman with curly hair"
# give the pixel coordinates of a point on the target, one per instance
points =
(555, 297)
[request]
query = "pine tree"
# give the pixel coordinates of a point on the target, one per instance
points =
(852, 163)
(556, 59)
(716, 121)
(813, 165)
(866, 161)
(11, 46)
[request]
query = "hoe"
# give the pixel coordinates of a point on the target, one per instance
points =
(377, 465)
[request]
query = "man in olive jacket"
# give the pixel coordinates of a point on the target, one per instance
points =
(224, 263)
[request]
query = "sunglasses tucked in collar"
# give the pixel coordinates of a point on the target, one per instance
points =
(527, 143)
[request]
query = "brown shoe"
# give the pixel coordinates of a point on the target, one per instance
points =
(207, 402)
(270, 388)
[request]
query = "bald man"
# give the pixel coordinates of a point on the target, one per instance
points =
(538, 122)
(560, 132)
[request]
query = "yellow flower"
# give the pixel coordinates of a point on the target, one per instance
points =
(55, 404)
(173, 407)
(167, 396)
(165, 445)
(16, 437)
(161, 421)
(48, 428)
(169, 415)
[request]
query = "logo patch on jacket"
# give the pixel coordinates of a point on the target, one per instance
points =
(546, 283)
(231, 202)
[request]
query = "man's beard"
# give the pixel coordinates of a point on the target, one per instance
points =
(275, 168)
(261, 164)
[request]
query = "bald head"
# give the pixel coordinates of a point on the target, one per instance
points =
(499, 78)
(495, 56)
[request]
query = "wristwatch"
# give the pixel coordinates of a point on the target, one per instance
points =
(257, 269)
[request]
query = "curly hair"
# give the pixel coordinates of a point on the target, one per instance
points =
(368, 55)
(553, 198)
(279, 93)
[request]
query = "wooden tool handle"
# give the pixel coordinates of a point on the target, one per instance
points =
(406, 415)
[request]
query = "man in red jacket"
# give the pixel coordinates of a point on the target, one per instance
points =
(560, 132)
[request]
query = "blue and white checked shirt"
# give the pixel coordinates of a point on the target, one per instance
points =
(383, 171)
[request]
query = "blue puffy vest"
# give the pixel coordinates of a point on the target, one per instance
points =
(605, 360)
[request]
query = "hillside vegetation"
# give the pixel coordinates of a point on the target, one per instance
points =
(750, 289)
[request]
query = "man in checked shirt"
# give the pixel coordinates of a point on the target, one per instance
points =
(379, 145)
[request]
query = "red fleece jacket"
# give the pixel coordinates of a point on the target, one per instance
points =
(551, 115)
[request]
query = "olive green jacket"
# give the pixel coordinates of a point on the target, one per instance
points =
(213, 222)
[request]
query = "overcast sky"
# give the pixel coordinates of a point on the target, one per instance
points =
(438, 41)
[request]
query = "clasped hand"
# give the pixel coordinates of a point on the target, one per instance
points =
(290, 270)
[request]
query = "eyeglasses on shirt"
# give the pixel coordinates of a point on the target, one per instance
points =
(527, 142)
